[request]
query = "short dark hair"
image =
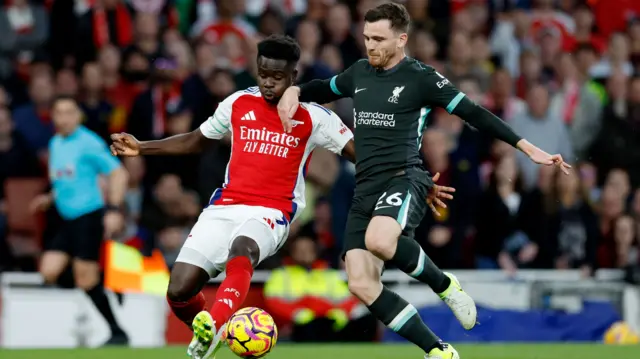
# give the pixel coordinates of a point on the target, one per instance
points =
(397, 15)
(279, 47)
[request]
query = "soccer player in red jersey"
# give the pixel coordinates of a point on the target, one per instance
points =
(247, 219)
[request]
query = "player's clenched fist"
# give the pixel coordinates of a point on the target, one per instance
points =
(287, 106)
(124, 144)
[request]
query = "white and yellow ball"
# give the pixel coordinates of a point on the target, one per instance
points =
(621, 333)
(251, 333)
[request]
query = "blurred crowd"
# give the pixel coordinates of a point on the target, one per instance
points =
(564, 73)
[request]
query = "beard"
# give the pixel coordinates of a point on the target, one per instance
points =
(378, 59)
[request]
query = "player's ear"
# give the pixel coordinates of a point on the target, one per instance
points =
(294, 76)
(402, 39)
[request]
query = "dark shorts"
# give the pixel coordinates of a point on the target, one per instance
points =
(403, 199)
(81, 237)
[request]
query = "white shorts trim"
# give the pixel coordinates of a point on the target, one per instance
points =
(211, 237)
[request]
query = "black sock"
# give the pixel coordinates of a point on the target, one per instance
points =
(100, 300)
(411, 259)
(403, 318)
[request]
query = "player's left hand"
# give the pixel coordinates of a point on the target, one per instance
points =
(113, 223)
(541, 157)
(437, 194)
(288, 106)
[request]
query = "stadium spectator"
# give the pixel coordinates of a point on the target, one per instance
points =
(106, 22)
(338, 27)
(577, 105)
(612, 206)
(146, 34)
(617, 143)
(425, 48)
(443, 235)
(33, 120)
(509, 221)
(24, 30)
(543, 127)
(530, 73)
(584, 34)
(589, 183)
(500, 98)
(66, 83)
(169, 206)
(148, 117)
(309, 37)
(616, 59)
(509, 38)
(573, 232)
(626, 238)
(460, 63)
(97, 111)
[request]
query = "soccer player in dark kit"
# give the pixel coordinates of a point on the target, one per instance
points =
(393, 95)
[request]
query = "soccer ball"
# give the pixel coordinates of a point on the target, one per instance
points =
(251, 333)
(620, 333)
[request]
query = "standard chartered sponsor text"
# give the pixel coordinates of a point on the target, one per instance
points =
(375, 119)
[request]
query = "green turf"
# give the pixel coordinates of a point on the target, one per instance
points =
(370, 351)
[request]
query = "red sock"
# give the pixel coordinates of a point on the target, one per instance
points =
(186, 311)
(233, 290)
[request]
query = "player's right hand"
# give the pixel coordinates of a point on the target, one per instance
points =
(124, 144)
(288, 106)
(437, 194)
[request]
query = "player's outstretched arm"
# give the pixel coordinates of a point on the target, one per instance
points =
(484, 120)
(441, 93)
(125, 144)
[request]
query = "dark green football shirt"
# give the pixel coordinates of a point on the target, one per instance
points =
(390, 114)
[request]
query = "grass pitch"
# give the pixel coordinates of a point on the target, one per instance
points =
(365, 351)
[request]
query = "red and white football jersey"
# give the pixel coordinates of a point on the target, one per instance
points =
(268, 166)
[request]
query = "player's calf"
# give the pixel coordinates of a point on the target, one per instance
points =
(208, 327)
(411, 259)
(244, 254)
(363, 273)
(184, 292)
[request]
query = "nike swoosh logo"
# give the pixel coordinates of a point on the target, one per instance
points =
(358, 90)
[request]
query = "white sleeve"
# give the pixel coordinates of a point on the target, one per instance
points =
(328, 129)
(218, 125)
